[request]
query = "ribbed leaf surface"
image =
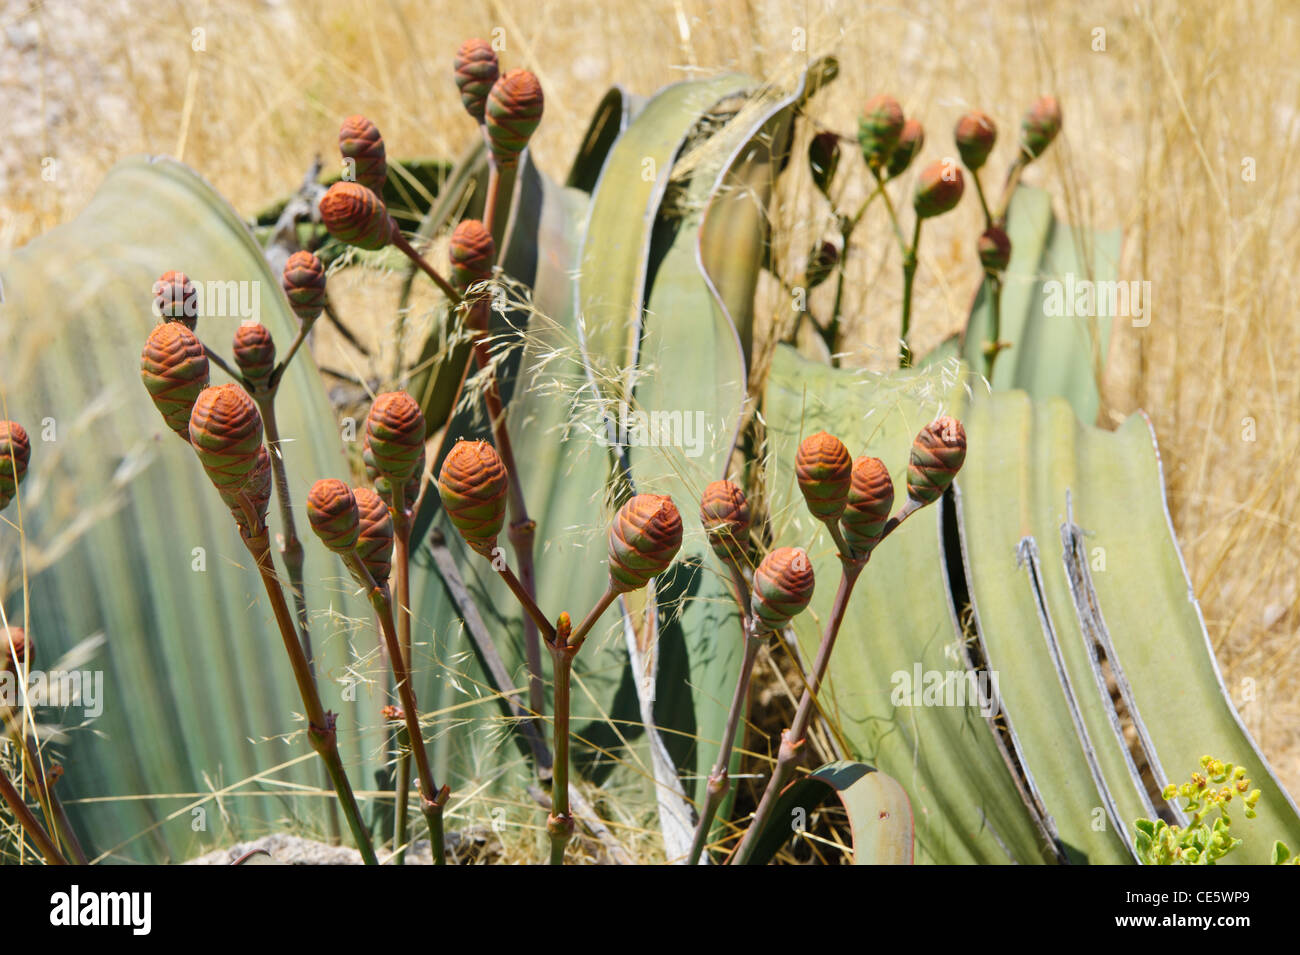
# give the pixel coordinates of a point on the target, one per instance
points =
(1067, 536)
(1062, 551)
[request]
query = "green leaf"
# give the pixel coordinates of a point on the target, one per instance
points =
(1056, 587)
(609, 120)
(616, 270)
(197, 692)
(705, 257)
(691, 371)
(949, 759)
(879, 812)
(556, 412)
(1110, 585)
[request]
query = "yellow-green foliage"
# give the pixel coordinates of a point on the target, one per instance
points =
(1208, 838)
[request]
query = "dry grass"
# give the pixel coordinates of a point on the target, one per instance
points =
(1156, 130)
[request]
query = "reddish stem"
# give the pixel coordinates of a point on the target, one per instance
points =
(320, 732)
(432, 799)
(792, 740)
(35, 831)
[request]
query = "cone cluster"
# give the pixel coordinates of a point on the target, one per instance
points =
(176, 299)
(254, 351)
(859, 495)
(937, 455)
(303, 281)
(359, 140)
(356, 215)
(821, 263)
(476, 71)
(514, 108)
(473, 485)
(823, 160)
(975, 135)
(255, 496)
(879, 130)
(824, 470)
(1040, 126)
(395, 433)
(994, 248)
(174, 369)
(910, 141)
(472, 253)
(374, 533)
(333, 515)
(870, 500)
(783, 586)
(724, 512)
(383, 486)
(644, 537)
(938, 189)
(226, 432)
(15, 649)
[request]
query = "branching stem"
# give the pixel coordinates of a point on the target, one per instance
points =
(320, 731)
(792, 740)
